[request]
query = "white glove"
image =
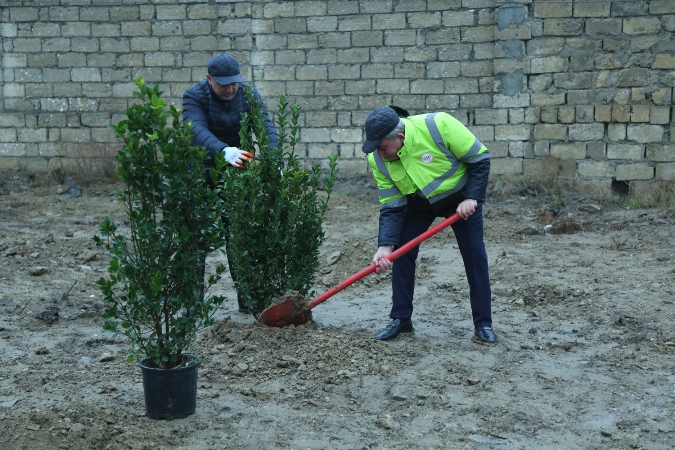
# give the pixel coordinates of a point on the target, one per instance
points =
(237, 157)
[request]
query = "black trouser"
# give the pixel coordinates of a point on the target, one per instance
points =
(469, 235)
(226, 225)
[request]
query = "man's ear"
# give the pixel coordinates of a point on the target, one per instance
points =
(208, 79)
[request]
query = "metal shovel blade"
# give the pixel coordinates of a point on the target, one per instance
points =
(283, 314)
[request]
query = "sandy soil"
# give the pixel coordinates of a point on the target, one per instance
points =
(585, 357)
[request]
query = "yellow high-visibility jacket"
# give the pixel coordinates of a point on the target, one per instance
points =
(433, 160)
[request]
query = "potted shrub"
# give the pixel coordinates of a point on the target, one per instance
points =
(155, 293)
(275, 210)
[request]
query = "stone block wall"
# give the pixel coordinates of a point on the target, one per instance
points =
(581, 88)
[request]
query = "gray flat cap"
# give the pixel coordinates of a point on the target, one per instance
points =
(224, 69)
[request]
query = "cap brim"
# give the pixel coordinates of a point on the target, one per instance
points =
(370, 146)
(228, 80)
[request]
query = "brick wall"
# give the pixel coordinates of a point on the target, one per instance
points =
(587, 82)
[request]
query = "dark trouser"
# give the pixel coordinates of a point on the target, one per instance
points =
(240, 301)
(226, 225)
(469, 235)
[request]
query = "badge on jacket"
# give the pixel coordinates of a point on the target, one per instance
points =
(427, 157)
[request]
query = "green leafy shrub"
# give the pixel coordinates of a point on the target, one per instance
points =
(274, 210)
(154, 287)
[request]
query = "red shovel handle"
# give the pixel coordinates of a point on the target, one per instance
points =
(391, 257)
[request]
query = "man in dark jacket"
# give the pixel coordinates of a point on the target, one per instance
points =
(214, 106)
(428, 166)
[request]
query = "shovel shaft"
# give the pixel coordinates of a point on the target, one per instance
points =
(391, 257)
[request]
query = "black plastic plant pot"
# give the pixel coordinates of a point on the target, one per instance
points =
(170, 393)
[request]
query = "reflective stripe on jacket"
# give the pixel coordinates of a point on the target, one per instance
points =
(433, 160)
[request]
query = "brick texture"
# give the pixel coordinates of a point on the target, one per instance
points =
(573, 88)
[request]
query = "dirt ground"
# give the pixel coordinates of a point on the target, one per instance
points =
(585, 357)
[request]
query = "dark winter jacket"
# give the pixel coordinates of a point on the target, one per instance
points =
(217, 122)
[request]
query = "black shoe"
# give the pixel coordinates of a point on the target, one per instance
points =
(245, 309)
(484, 335)
(394, 328)
(242, 308)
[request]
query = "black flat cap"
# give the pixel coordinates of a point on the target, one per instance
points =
(379, 123)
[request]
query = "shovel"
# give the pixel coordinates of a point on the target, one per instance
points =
(288, 312)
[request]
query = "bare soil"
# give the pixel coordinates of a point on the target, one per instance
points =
(583, 312)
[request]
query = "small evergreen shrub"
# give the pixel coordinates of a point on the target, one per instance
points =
(153, 291)
(275, 210)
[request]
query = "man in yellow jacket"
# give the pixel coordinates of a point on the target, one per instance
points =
(428, 166)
